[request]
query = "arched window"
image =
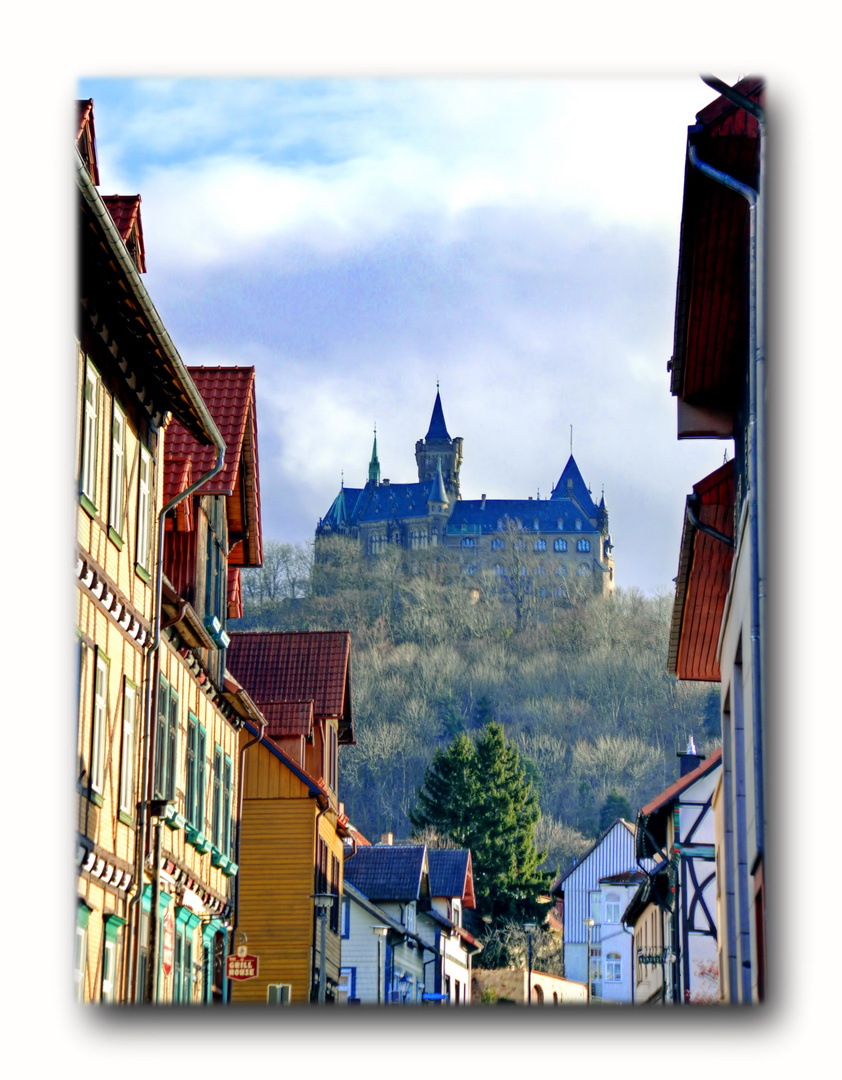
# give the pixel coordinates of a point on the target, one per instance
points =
(578, 524)
(536, 525)
(561, 571)
(559, 545)
(561, 524)
(613, 968)
(541, 569)
(583, 570)
(468, 542)
(499, 524)
(497, 545)
(540, 545)
(583, 545)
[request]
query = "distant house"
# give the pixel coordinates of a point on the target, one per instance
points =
(451, 892)
(509, 986)
(613, 957)
(293, 824)
(393, 880)
(580, 891)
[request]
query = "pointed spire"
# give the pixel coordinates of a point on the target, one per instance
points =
(438, 492)
(374, 464)
(438, 428)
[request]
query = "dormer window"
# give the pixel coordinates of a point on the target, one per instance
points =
(536, 525)
(578, 524)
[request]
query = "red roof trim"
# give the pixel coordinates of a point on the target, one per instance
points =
(674, 790)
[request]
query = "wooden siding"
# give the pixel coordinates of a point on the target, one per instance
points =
(613, 855)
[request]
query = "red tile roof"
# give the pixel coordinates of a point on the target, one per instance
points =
(288, 718)
(229, 393)
(297, 666)
(674, 790)
(235, 598)
(125, 213)
(86, 145)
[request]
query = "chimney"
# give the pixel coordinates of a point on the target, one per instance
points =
(689, 759)
(387, 838)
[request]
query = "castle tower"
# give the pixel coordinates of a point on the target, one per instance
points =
(437, 500)
(438, 451)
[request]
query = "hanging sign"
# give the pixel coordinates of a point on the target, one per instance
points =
(241, 965)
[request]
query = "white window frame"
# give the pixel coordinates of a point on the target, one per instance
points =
(612, 908)
(81, 961)
(99, 723)
(117, 472)
(90, 418)
(409, 917)
(143, 508)
(126, 801)
(613, 968)
(108, 994)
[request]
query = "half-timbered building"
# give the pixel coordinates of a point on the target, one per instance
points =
(718, 379)
(677, 829)
(130, 383)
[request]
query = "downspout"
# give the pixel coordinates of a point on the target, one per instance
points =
(756, 440)
(151, 699)
(236, 921)
(633, 959)
(708, 530)
(126, 264)
(323, 810)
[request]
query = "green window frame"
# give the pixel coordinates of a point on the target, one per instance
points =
(227, 831)
(90, 428)
(99, 723)
(190, 773)
(117, 472)
(127, 747)
(217, 797)
(166, 737)
(80, 963)
(112, 925)
(144, 508)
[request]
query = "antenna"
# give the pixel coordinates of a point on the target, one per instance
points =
(571, 440)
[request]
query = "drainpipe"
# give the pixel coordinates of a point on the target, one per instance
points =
(236, 920)
(756, 423)
(633, 958)
(151, 698)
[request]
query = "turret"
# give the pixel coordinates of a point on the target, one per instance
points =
(374, 464)
(437, 451)
(437, 500)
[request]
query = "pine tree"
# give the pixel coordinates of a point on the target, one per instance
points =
(479, 795)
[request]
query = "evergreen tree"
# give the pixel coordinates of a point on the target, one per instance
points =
(479, 795)
(615, 805)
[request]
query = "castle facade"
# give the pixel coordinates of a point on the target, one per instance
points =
(565, 535)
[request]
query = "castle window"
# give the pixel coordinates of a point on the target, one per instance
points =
(499, 524)
(561, 524)
(536, 525)
(540, 545)
(497, 545)
(543, 591)
(541, 570)
(471, 570)
(583, 545)
(559, 545)
(468, 542)
(520, 545)
(498, 569)
(578, 524)
(583, 570)
(561, 571)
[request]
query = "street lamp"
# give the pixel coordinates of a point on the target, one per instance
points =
(590, 924)
(530, 929)
(322, 902)
(381, 932)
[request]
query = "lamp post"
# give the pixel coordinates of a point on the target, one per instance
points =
(530, 929)
(590, 924)
(322, 902)
(380, 932)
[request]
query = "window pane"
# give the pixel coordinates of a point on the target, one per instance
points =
(127, 750)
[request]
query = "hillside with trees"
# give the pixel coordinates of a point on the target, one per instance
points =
(578, 682)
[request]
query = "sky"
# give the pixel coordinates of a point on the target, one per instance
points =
(361, 240)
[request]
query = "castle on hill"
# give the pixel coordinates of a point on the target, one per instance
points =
(566, 534)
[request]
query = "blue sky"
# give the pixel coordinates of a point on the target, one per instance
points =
(358, 239)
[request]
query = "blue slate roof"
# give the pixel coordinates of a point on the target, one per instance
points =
(448, 870)
(438, 428)
(387, 501)
(580, 488)
(387, 872)
(548, 512)
(342, 507)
